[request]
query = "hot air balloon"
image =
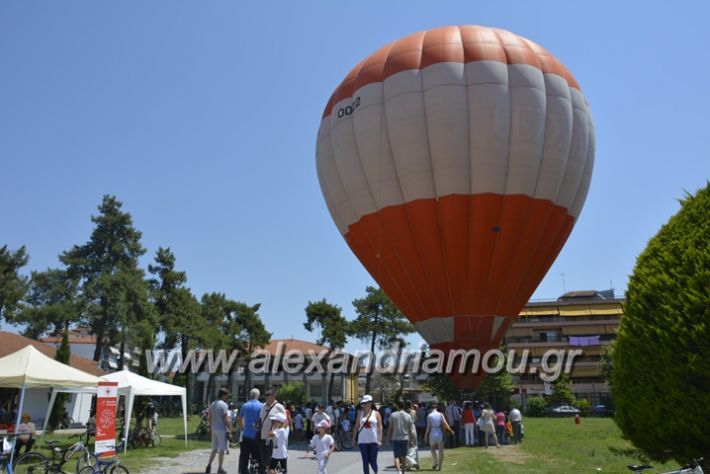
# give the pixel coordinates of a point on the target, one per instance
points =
(455, 163)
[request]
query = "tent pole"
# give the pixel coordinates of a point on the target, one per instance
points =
(52, 399)
(19, 418)
(183, 396)
(128, 412)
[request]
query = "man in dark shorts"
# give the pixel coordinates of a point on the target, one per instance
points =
(400, 432)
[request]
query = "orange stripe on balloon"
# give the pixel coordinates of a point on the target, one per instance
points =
(426, 250)
(462, 44)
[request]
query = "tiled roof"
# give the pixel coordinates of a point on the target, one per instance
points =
(293, 345)
(74, 338)
(11, 342)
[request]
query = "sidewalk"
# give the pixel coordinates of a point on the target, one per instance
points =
(341, 462)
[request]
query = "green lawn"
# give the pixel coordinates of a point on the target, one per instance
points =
(551, 445)
(135, 460)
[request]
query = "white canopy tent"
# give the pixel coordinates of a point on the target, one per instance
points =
(129, 385)
(29, 368)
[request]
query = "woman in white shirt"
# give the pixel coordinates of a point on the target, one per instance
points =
(487, 425)
(434, 434)
(368, 431)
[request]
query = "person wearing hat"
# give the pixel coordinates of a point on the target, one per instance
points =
(279, 437)
(320, 415)
(26, 433)
(368, 434)
(323, 445)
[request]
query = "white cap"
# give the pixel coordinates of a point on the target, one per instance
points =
(324, 424)
(280, 417)
(366, 398)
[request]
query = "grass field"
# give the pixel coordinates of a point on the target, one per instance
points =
(551, 445)
(135, 460)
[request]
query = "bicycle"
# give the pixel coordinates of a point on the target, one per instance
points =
(693, 467)
(202, 432)
(142, 437)
(253, 465)
(343, 439)
(35, 462)
(110, 466)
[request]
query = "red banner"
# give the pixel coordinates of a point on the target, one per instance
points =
(106, 403)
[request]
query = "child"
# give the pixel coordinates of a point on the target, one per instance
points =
(280, 440)
(508, 430)
(323, 445)
(298, 425)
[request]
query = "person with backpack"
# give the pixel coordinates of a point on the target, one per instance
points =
(249, 417)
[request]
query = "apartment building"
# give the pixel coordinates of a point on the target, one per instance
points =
(582, 320)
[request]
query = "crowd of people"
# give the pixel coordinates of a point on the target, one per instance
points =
(265, 429)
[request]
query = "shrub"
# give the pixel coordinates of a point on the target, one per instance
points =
(584, 406)
(661, 369)
(535, 406)
(293, 392)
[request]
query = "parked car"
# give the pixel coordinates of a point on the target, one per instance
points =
(566, 410)
(603, 410)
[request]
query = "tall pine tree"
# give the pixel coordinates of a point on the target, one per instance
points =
(378, 323)
(13, 286)
(112, 284)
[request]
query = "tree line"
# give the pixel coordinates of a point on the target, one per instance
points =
(100, 284)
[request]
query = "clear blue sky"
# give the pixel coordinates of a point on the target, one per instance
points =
(202, 118)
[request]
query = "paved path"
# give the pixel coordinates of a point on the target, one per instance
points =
(341, 462)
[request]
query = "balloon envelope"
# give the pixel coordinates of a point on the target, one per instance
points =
(455, 163)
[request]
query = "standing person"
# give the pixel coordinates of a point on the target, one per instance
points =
(268, 410)
(477, 408)
(412, 451)
(289, 421)
(453, 417)
(434, 434)
(279, 440)
(420, 423)
(469, 423)
(516, 419)
(487, 425)
(309, 420)
(298, 425)
(323, 445)
(500, 426)
(399, 433)
(152, 415)
(218, 417)
(249, 417)
(320, 415)
(368, 434)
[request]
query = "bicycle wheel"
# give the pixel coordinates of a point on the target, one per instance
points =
(31, 463)
(79, 459)
(346, 441)
(88, 470)
(118, 468)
